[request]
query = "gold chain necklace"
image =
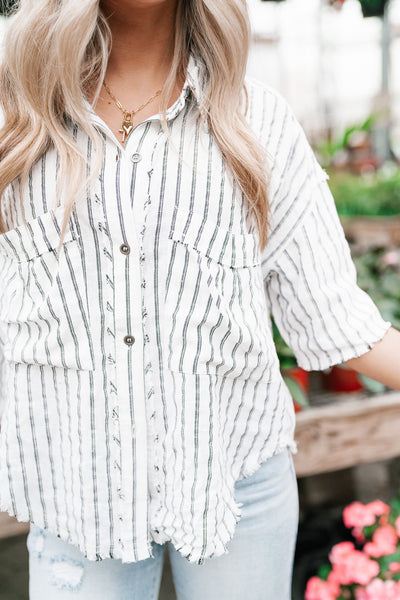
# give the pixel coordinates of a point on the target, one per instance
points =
(127, 124)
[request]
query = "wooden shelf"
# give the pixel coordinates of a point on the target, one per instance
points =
(9, 526)
(347, 432)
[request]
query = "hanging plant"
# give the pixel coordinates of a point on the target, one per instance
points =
(370, 8)
(373, 8)
(7, 6)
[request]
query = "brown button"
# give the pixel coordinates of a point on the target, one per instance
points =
(125, 249)
(129, 340)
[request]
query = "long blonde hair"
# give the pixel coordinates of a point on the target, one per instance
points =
(56, 50)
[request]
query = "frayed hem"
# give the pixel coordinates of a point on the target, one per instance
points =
(196, 554)
(290, 445)
(20, 516)
(347, 354)
(63, 536)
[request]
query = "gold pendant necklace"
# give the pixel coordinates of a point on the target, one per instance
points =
(127, 122)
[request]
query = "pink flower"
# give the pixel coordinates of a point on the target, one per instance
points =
(384, 541)
(390, 258)
(378, 507)
(394, 567)
(358, 534)
(358, 515)
(361, 594)
(317, 589)
(379, 590)
(351, 566)
(397, 526)
(383, 520)
(340, 552)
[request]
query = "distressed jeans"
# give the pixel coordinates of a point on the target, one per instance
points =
(258, 564)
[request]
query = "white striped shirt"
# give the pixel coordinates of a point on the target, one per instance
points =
(139, 378)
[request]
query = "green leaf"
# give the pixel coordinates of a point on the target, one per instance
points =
(376, 387)
(385, 561)
(369, 529)
(324, 571)
(296, 391)
(358, 195)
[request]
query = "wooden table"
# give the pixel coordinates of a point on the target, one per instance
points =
(353, 429)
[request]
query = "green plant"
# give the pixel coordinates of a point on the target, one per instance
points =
(328, 149)
(372, 195)
(288, 363)
(299, 396)
(379, 275)
(370, 8)
(286, 357)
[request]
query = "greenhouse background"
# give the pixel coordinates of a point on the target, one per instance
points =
(339, 70)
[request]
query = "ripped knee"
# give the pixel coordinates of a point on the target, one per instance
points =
(66, 573)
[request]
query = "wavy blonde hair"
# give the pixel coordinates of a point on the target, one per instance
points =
(58, 50)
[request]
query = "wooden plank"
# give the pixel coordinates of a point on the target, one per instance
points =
(365, 231)
(9, 526)
(347, 432)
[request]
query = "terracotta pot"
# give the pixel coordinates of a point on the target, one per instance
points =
(301, 378)
(341, 379)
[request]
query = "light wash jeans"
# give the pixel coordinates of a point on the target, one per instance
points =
(258, 565)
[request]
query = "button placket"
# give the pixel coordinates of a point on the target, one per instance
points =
(155, 475)
(109, 301)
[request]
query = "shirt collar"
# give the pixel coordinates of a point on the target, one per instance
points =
(194, 84)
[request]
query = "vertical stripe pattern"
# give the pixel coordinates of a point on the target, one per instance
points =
(139, 379)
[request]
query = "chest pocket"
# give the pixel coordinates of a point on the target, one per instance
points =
(43, 302)
(215, 312)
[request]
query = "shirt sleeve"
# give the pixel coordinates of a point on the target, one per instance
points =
(309, 276)
(321, 312)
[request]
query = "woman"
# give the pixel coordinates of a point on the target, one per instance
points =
(155, 210)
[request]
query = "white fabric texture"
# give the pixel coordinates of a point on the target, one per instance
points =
(139, 378)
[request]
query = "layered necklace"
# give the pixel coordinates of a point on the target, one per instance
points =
(127, 122)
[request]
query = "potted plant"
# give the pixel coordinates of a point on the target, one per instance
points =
(352, 149)
(370, 8)
(296, 378)
(341, 378)
(369, 206)
(369, 567)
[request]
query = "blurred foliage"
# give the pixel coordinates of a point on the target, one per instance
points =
(328, 149)
(288, 361)
(286, 357)
(373, 8)
(375, 194)
(379, 275)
